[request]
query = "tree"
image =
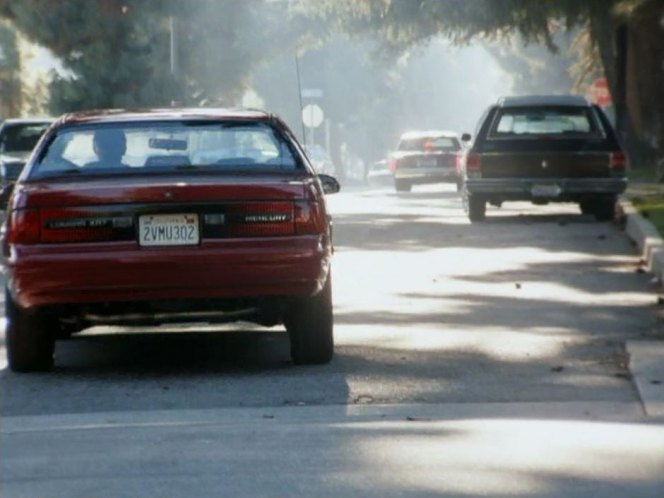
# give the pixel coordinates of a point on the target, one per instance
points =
(118, 53)
(617, 30)
(113, 51)
(10, 93)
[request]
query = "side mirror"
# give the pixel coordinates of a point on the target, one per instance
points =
(466, 137)
(330, 184)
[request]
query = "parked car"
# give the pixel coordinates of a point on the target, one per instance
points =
(379, 174)
(425, 157)
(166, 216)
(544, 149)
(17, 139)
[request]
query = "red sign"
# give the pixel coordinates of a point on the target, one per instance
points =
(599, 93)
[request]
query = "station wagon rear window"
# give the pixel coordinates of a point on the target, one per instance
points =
(553, 122)
(165, 147)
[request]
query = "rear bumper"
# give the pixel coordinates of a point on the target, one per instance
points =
(121, 272)
(527, 188)
(426, 175)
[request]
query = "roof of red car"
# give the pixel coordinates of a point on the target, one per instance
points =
(170, 113)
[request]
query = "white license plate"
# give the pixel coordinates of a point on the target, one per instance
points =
(427, 162)
(168, 230)
(545, 190)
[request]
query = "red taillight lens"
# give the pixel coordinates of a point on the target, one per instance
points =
(458, 162)
(23, 227)
(392, 164)
(309, 218)
(618, 161)
(75, 225)
(260, 219)
(473, 163)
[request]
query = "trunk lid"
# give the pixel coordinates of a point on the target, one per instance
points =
(546, 165)
(173, 209)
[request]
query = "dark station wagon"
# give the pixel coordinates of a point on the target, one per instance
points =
(159, 216)
(544, 149)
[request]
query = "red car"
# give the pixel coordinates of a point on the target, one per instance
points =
(145, 218)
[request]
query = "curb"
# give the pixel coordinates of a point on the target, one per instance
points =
(646, 357)
(646, 237)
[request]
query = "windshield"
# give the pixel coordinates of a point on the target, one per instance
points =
(164, 147)
(21, 138)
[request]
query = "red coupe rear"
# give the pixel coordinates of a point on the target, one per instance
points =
(167, 216)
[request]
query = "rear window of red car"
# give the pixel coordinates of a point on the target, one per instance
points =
(164, 146)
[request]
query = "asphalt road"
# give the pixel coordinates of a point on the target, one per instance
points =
(471, 360)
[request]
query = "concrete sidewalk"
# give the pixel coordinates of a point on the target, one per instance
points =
(647, 357)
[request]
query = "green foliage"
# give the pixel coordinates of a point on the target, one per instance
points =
(112, 50)
(9, 59)
(118, 53)
(10, 92)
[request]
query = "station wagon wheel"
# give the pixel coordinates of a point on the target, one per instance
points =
(30, 344)
(587, 207)
(605, 209)
(476, 207)
(310, 326)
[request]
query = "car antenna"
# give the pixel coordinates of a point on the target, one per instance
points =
(299, 94)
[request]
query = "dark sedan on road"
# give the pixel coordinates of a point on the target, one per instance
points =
(543, 149)
(152, 217)
(17, 139)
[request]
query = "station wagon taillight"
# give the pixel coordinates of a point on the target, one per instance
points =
(473, 165)
(618, 161)
(392, 164)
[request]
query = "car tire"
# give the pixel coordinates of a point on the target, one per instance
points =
(30, 344)
(310, 325)
(476, 208)
(402, 186)
(587, 207)
(605, 209)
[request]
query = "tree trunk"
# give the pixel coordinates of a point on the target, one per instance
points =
(644, 80)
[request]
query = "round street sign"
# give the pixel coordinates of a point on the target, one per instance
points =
(312, 115)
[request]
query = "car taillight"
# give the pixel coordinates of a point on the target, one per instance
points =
(618, 161)
(309, 218)
(392, 164)
(473, 165)
(458, 162)
(23, 227)
(79, 225)
(260, 219)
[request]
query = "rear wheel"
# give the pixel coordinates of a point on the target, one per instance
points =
(30, 344)
(605, 209)
(402, 186)
(586, 207)
(476, 208)
(310, 326)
